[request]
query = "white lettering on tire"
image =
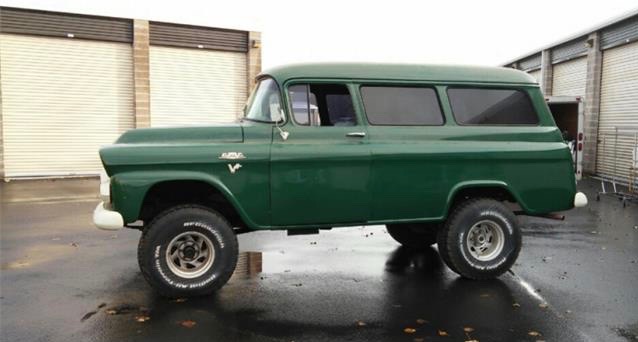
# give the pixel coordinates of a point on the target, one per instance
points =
(215, 233)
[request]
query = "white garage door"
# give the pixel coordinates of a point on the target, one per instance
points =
(570, 78)
(196, 86)
(61, 100)
(618, 108)
(536, 74)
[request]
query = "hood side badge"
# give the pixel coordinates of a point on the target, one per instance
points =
(232, 156)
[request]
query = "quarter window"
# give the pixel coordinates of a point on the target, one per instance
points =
(483, 106)
(401, 106)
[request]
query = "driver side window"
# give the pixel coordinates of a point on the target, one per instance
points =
(322, 104)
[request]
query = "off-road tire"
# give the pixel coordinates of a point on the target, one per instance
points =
(414, 235)
(157, 236)
(454, 245)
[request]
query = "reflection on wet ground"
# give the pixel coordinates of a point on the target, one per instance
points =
(574, 281)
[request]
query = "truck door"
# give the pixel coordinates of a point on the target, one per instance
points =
(320, 173)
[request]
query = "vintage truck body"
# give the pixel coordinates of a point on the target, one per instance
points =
(283, 175)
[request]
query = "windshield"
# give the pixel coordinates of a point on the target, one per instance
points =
(264, 104)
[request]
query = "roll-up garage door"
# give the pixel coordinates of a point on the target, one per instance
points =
(61, 100)
(536, 74)
(570, 78)
(196, 86)
(618, 108)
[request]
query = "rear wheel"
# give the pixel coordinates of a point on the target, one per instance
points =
(481, 239)
(187, 251)
(414, 235)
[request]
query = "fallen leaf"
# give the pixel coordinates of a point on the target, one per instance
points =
(111, 312)
(468, 329)
(543, 305)
(443, 333)
(142, 318)
(409, 330)
(74, 244)
(87, 316)
(516, 305)
(421, 321)
(187, 323)
(534, 333)
(361, 323)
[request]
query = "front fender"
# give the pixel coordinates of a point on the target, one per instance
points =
(128, 190)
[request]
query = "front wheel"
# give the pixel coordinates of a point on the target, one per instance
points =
(188, 251)
(481, 239)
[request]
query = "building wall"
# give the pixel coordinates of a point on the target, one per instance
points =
(576, 67)
(137, 33)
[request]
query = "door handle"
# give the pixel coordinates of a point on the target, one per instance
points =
(356, 134)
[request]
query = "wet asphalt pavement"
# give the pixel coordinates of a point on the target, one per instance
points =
(63, 280)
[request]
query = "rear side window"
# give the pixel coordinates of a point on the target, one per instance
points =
(408, 106)
(482, 106)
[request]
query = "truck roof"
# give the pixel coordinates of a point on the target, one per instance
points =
(409, 72)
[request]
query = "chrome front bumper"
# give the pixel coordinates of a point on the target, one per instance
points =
(107, 219)
(580, 200)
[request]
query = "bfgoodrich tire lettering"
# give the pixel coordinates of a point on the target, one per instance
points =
(468, 227)
(205, 234)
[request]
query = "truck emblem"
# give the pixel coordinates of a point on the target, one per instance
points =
(232, 156)
(234, 168)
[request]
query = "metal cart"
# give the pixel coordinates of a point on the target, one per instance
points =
(610, 146)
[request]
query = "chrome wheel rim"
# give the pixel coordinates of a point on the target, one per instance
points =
(190, 254)
(485, 240)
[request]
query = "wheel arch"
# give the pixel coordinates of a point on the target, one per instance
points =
(131, 191)
(496, 189)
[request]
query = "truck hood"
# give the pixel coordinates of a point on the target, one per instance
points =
(229, 133)
(179, 145)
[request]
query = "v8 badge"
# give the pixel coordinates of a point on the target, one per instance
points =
(234, 168)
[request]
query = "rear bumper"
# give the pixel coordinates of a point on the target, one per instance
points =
(106, 219)
(580, 200)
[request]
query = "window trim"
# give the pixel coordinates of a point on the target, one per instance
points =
(402, 85)
(519, 89)
(291, 107)
(308, 83)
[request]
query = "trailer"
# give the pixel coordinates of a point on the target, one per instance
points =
(569, 115)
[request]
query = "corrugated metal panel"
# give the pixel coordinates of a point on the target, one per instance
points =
(198, 37)
(62, 100)
(618, 108)
(536, 74)
(621, 33)
(570, 78)
(43, 23)
(196, 87)
(569, 50)
(530, 63)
